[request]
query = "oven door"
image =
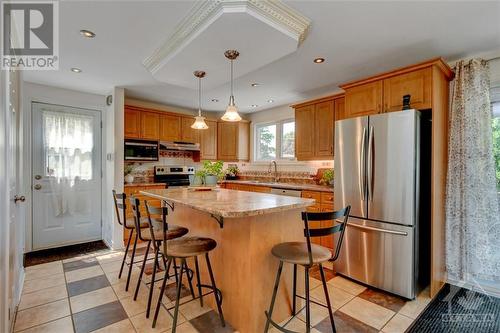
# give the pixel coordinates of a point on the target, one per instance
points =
(136, 150)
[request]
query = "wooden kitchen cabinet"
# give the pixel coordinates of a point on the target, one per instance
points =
(418, 84)
(150, 125)
(132, 126)
(304, 133)
(233, 139)
(189, 134)
(170, 127)
(363, 100)
(209, 141)
(339, 106)
(324, 129)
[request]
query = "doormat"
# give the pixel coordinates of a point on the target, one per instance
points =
(457, 309)
(61, 253)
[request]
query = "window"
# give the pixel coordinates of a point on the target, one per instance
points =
(275, 141)
(496, 140)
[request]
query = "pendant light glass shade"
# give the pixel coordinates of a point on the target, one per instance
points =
(199, 122)
(231, 110)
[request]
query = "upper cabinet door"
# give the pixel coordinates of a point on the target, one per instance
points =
(170, 128)
(132, 124)
(363, 100)
(189, 134)
(324, 118)
(150, 125)
(227, 143)
(304, 132)
(417, 84)
(209, 141)
(339, 106)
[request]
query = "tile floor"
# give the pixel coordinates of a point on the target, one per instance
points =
(84, 294)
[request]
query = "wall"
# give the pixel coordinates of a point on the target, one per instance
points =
(46, 94)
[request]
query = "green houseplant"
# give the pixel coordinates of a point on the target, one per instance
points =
(127, 172)
(213, 172)
(328, 176)
(232, 171)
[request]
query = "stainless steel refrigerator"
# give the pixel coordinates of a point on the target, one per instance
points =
(377, 172)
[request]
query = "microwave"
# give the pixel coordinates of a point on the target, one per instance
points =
(138, 150)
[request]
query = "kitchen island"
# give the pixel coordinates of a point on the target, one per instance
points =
(246, 226)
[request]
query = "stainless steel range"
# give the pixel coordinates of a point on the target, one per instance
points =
(173, 175)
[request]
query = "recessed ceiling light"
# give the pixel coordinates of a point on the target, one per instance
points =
(255, 84)
(87, 33)
(254, 105)
(270, 100)
(76, 70)
(319, 60)
(215, 100)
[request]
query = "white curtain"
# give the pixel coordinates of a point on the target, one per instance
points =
(68, 144)
(472, 212)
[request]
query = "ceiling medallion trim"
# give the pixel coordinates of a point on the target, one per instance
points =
(272, 12)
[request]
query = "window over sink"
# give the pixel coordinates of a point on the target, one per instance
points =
(275, 141)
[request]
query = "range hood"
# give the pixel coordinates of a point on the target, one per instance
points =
(178, 145)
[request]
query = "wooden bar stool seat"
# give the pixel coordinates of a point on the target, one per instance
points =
(186, 247)
(297, 253)
(174, 231)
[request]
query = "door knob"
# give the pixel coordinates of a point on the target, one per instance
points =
(19, 198)
(37, 186)
(38, 177)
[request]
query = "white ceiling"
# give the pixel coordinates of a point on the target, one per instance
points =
(357, 39)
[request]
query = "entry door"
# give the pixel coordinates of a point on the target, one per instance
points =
(66, 175)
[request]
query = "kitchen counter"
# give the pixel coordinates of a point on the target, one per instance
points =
(246, 226)
(289, 186)
(143, 184)
(229, 203)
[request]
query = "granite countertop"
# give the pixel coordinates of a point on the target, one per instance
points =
(143, 184)
(229, 203)
(291, 186)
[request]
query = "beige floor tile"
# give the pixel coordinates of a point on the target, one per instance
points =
(36, 274)
(63, 325)
(140, 305)
(193, 309)
(79, 257)
(124, 326)
(186, 328)
(113, 276)
(347, 285)
(84, 273)
(413, 308)
(338, 297)
(295, 325)
(92, 299)
(119, 287)
(110, 257)
(53, 264)
(318, 313)
(112, 266)
(39, 284)
(41, 314)
(143, 324)
(397, 324)
(367, 312)
(42, 297)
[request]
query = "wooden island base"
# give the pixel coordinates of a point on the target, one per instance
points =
(243, 266)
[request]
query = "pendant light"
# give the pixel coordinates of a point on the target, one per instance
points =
(199, 122)
(231, 110)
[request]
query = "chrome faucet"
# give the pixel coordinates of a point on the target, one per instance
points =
(275, 177)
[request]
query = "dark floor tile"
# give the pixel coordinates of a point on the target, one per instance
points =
(344, 324)
(148, 269)
(210, 322)
(78, 264)
(90, 284)
(61, 253)
(315, 273)
(171, 291)
(98, 317)
(381, 298)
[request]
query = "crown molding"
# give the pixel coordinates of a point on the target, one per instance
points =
(272, 12)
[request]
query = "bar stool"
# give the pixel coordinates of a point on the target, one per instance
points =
(184, 248)
(120, 200)
(154, 233)
(308, 255)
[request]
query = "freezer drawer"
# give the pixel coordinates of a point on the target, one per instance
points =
(380, 255)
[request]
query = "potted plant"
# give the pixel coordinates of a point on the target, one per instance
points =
(232, 172)
(328, 176)
(198, 178)
(127, 171)
(213, 172)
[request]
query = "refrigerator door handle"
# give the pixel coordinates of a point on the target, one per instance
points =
(362, 159)
(370, 165)
(392, 232)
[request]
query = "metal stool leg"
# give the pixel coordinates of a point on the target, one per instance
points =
(198, 280)
(178, 296)
(308, 303)
(175, 272)
(325, 289)
(294, 308)
(162, 292)
(131, 262)
(142, 271)
(217, 299)
(190, 282)
(152, 285)
(275, 291)
(124, 257)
